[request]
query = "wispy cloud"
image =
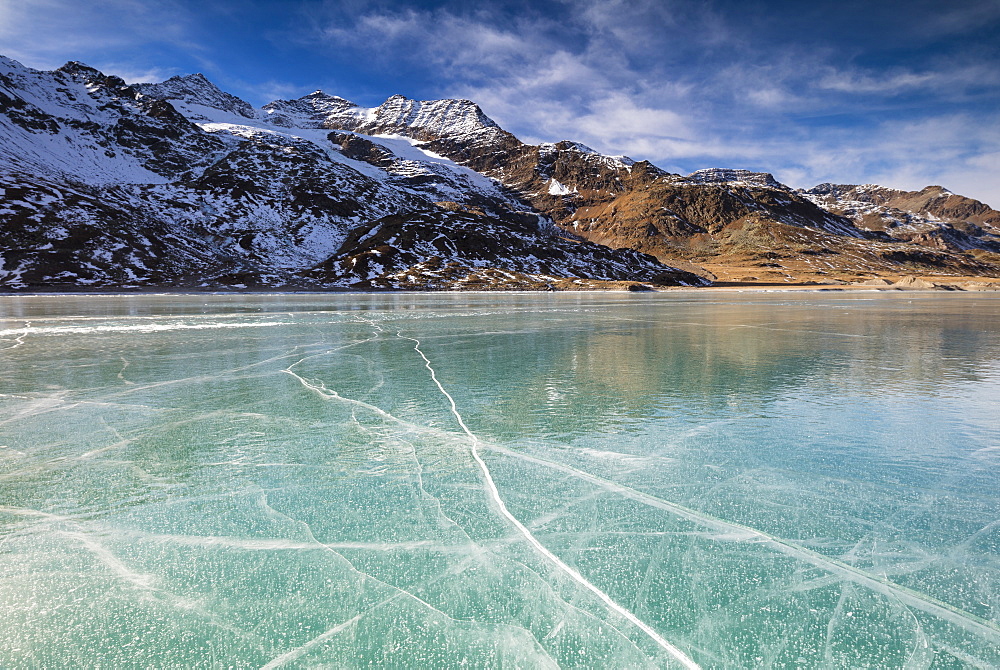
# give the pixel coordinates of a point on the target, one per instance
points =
(41, 32)
(947, 79)
(135, 75)
(457, 46)
(271, 90)
(539, 77)
(956, 17)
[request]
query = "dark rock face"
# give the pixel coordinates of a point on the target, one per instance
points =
(361, 149)
(448, 249)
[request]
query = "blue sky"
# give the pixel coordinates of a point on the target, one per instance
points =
(904, 94)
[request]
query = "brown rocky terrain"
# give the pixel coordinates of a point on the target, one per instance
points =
(734, 225)
(934, 200)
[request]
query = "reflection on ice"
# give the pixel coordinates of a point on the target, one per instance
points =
(527, 481)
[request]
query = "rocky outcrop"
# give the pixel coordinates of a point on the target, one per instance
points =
(736, 177)
(933, 216)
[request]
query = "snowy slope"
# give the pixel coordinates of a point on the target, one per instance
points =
(422, 120)
(194, 96)
(393, 129)
(77, 123)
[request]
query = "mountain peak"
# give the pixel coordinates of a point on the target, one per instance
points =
(566, 145)
(314, 110)
(738, 176)
(75, 67)
(192, 78)
(11, 63)
(320, 95)
(428, 119)
(197, 89)
(936, 189)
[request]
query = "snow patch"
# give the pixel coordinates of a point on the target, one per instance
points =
(556, 188)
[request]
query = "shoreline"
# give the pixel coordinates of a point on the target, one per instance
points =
(886, 284)
(826, 288)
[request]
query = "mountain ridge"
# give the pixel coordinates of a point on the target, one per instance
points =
(269, 196)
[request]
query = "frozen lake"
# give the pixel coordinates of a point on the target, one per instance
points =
(460, 480)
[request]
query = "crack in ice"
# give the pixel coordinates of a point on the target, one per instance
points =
(121, 373)
(491, 486)
(481, 549)
(294, 654)
(921, 601)
(420, 429)
(19, 340)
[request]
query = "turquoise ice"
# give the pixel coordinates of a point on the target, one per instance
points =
(474, 480)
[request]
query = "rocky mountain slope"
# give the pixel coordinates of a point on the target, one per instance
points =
(719, 218)
(179, 184)
(933, 216)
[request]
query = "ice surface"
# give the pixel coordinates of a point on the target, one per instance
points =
(528, 480)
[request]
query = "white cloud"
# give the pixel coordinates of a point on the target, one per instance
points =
(137, 75)
(268, 91)
(460, 46)
(531, 77)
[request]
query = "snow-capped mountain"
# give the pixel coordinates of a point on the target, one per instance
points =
(79, 124)
(179, 183)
